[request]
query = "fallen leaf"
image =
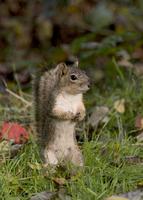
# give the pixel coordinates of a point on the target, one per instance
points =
(44, 196)
(36, 165)
(59, 181)
(7, 150)
(14, 132)
(124, 59)
(139, 122)
(125, 63)
(119, 105)
(4, 146)
(138, 54)
(117, 198)
(60, 194)
(99, 114)
(140, 137)
(138, 68)
(134, 160)
(133, 195)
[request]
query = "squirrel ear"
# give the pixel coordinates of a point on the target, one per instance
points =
(62, 69)
(76, 63)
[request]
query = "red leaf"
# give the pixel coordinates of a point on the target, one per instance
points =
(15, 132)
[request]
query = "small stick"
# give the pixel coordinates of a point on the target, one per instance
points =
(16, 95)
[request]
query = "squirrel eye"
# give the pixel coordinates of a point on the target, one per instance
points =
(73, 77)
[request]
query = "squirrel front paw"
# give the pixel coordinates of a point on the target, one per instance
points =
(69, 115)
(79, 116)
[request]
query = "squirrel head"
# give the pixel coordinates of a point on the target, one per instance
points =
(72, 79)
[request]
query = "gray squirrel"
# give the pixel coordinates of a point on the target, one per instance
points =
(58, 105)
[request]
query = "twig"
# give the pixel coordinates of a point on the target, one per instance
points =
(16, 95)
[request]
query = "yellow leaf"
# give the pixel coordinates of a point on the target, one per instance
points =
(4, 146)
(36, 166)
(119, 105)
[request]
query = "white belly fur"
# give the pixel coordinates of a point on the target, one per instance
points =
(69, 102)
(64, 139)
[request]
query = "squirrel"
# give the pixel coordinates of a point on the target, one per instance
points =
(58, 105)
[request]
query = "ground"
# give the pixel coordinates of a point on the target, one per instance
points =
(111, 151)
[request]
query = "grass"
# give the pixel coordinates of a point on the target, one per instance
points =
(106, 169)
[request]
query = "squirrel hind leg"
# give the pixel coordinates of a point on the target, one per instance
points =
(50, 158)
(76, 157)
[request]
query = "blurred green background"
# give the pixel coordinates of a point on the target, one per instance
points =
(100, 33)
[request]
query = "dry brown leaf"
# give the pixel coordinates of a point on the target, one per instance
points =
(140, 137)
(139, 122)
(119, 105)
(138, 54)
(125, 63)
(134, 160)
(138, 68)
(124, 59)
(59, 181)
(99, 114)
